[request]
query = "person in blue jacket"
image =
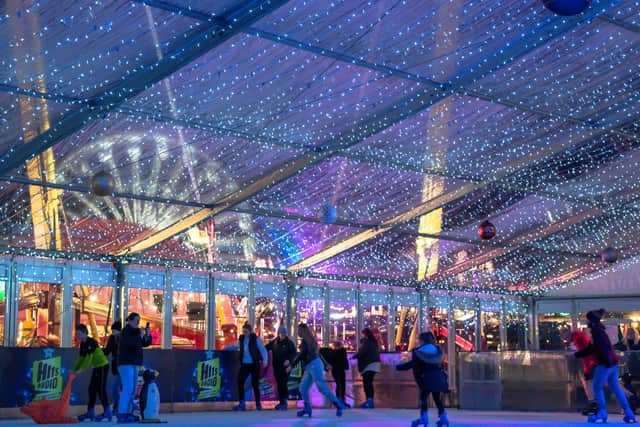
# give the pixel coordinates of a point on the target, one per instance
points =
(426, 363)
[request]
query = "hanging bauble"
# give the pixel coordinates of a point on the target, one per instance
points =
(566, 7)
(486, 230)
(328, 213)
(609, 255)
(102, 183)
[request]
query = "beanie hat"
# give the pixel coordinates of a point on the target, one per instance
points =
(282, 329)
(594, 316)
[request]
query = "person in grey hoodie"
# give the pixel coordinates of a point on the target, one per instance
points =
(426, 363)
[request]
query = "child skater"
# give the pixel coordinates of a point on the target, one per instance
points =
(426, 362)
(91, 355)
(606, 370)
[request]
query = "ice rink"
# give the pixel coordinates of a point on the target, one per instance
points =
(360, 418)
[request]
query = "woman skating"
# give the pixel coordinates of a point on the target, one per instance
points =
(313, 372)
(369, 365)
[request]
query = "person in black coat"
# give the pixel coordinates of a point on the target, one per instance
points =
(369, 365)
(132, 340)
(426, 363)
(283, 352)
(112, 349)
(338, 364)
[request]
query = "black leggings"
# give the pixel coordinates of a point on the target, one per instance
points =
(367, 382)
(98, 386)
(340, 377)
(437, 399)
(282, 379)
(247, 369)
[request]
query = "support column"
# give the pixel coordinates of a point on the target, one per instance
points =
(533, 343)
(391, 324)
(167, 310)
(211, 314)
(251, 304)
(326, 315)
(11, 314)
(479, 326)
(451, 345)
(291, 307)
(66, 318)
(119, 311)
(423, 307)
(574, 315)
(503, 324)
(360, 317)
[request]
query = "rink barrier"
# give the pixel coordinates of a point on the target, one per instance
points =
(190, 380)
(529, 381)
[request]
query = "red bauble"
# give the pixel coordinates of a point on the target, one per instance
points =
(486, 230)
(609, 255)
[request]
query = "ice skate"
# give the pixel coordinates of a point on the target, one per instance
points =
(240, 407)
(339, 408)
(106, 415)
(282, 406)
(422, 421)
(127, 418)
(305, 411)
(601, 416)
(590, 409)
(90, 415)
(368, 404)
(443, 421)
(258, 406)
(629, 416)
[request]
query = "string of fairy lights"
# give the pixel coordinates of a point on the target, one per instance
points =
(467, 90)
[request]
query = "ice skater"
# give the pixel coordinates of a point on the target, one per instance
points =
(336, 357)
(606, 371)
(253, 357)
(112, 349)
(130, 360)
(91, 355)
(426, 363)
(283, 352)
(369, 365)
(313, 372)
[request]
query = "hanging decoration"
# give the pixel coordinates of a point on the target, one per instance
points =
(102, 183)
(487, 230)
(328, 213)
(609, 255)
(566, 7)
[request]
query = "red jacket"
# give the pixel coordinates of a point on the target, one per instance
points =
(582, 342)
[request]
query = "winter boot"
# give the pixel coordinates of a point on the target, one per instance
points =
(629, 416)
(90, 415)
(306, 410)
(258, 406)
(368, 404)
(339, 408)
(443, 421)
(282, 406)
(106, 415)
(590, 409)
(240, 406)
(422, 421)
(600, 416)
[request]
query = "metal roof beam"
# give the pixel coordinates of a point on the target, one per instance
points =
(202, 41)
